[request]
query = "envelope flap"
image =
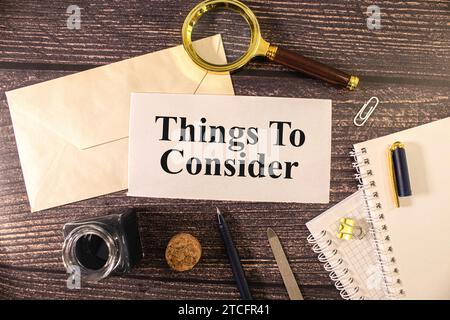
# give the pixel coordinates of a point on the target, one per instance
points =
(90, 108)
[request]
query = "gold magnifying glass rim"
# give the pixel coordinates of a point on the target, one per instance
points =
(257, 45)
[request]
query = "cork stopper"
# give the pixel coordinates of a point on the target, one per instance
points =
(183, 252)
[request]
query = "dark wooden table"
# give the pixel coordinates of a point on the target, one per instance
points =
(406, 64)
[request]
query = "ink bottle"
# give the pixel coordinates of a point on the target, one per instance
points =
(102, 246)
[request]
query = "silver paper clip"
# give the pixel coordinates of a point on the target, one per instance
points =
(363, 115)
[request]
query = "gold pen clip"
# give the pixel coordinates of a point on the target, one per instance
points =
(391, 148)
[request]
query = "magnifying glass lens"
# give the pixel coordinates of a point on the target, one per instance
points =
(233, 28)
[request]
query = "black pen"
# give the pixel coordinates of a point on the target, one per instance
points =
(233, 257)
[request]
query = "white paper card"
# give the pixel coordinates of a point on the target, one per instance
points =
(230, 148)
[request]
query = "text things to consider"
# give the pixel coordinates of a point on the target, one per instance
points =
(236, 138)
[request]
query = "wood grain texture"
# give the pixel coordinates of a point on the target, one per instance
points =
(405, 64)
(413, 40)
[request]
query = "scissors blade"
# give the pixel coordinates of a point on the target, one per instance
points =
(283, 265)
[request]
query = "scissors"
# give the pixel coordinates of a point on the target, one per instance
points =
(258, 47)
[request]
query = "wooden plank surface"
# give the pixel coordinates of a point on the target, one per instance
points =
(405, 64)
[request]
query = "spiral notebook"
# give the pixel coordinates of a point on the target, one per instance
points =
(353, 264)
(412, 241)
(410, 245)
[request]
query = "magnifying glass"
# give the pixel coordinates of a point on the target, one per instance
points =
(209, 15)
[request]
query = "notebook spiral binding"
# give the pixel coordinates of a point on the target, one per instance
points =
(378, 228)
(333, 263)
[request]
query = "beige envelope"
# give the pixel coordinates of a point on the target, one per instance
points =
(72, 132)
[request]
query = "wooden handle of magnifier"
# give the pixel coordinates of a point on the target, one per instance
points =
(311, 67)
